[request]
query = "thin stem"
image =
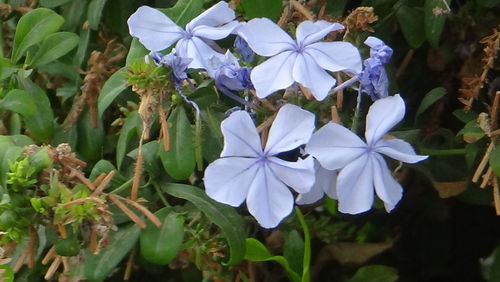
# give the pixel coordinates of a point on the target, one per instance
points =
(306, 277)
(355, 118)
(344, 84)
(160, 194)
(122, 187)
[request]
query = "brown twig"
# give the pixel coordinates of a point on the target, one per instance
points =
(104, 183)
(303, 10)
(52, 268)
(142, 209)
(129, 266)
(483, 163)
(496, 195)
(127, 211)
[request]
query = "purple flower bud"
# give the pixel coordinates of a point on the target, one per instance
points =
(374, 79)
(241, 46)
(172, 60)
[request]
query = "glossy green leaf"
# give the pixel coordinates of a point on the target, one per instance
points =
(32, 28)
(226, 217)
(160, 245)
(73, 14)
(150, 159)
(184, 11)
(375, 273)
(494, 160)
(257, 252)
(429, 99)
(411, 21)
(212, 135)
(18, 101)
(53, 3)
(131, 127)
(113, 87)
(90, 139)
(98, 267)
(293, 250)
(136, 52)
(262, 8)
(180, 161)
(434, 19)
(104, 166)
(94, 13)
(82, 47)
(55, 46)
(471, 132)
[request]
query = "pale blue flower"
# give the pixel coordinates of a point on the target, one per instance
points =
(157, 32)
(304, 60)
(241, 46)
(362, 165)
(178, 64)
(228, 73)
(325, 183)
(373, 79)
(246, 171)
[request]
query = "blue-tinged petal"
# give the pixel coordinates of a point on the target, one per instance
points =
(199, 51)
(326, 183)
(269, 200)
(383, 115)
(292, 127)
(335, 146)
(227, 180)
(308, 73)
(387, 188)
(218, 14)
(214, 33)
(336, 56)
(273, 74)
(265, 37)
(309, 32)
(240, 136)
(298, 175)
(399, 150)
(355, 186)
(153, 29)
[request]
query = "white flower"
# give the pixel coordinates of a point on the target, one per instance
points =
(157, 32)
(326, 182)
(303, 60)
(362, 165)
(246, 171)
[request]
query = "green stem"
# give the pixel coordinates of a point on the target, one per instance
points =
(307, 246)
(448, 152)
(160, 194)
(123, 186)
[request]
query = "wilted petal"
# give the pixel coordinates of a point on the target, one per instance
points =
(383, 115)
(387, 188)
(298, 175)
(308, 73)
(218, 14)
(292, 127)
(336, 56)
(265, 37)
(335, 146)
(198, 50)
(153, 29)
(227, 180)
(214, 33)
(399, 150)
(240, 136)
(355, 186)
(309, 32)
(273, 74)
(326, 183)
(269, 200)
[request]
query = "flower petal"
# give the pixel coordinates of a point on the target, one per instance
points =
(292, 127)
(335, 146)
(199, 51)
(265, 37)
(227, 180)
(218, 14)
(240, 136)
(298, 175)
(355, 186)
(269, 200)
(399, 150)
(326, 183)
(309, 32)
(273, 74)
(383, 115)
(387, 188)
(336, 56)
(308, 73)
(153, 29)
(215, 33)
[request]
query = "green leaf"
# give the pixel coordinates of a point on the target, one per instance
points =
(94, 13)
(184, 11)
(53, 3)
(82, 47)
(375, 273)
(464, 116)
(212, 135)
(98, 267)
(180, 161)
(32, 28)
(136, 52)
(293, 250)
(434, 19)
(257, 252)
(113, 87)
(131, 127)
(262, 8)
(8, 153)
(411, 20)
(73, 15)
(495, 160)
(229, 221)
(6, 273)
(429, 99)
(150, 158)
(55, 46)
(471, 132)
(18, 101)
(90, 140)
(161, 244)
